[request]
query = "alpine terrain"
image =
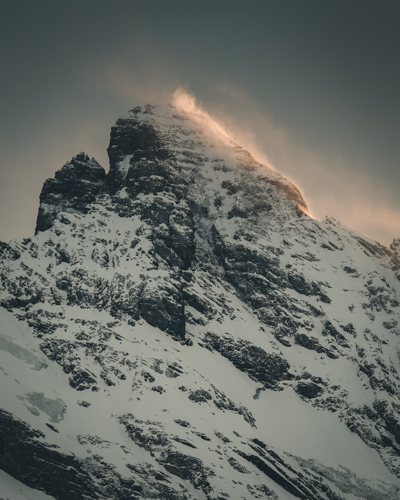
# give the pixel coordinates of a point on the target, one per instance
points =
(180, 328)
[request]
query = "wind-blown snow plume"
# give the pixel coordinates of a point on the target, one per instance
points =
(188, 103)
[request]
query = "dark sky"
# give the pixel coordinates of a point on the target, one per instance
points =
(311, 85)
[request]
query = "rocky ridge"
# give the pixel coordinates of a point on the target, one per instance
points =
(180, 328)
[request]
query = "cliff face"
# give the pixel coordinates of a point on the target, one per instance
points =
(73, 188)
(180, 328)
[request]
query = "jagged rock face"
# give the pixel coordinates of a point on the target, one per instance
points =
(74, 187)
(180, 328)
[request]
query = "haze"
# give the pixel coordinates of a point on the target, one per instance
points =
(310, 87)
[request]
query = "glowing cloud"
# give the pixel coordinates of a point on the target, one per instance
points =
(188, 104)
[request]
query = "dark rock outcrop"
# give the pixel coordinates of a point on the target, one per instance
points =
(73, 188)
(161, 305)
(26, 457)
(269, 369)
(309, 389)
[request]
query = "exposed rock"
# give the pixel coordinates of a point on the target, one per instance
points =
(25, 457)
(200, 396)
(161, 305)
(258, 364)
(7, 252)
(73, 188)
(188, 468)
(309, 390)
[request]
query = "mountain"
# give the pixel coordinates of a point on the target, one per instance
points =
(181, 328)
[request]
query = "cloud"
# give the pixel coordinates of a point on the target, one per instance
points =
(188, 103)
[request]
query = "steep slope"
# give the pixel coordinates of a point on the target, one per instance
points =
(180, 328)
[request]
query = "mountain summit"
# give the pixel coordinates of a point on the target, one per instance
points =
(180, 328)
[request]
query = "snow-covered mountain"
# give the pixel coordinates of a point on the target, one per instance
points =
(180, 328)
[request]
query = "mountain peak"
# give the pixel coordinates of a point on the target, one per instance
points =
(158, 148)
(171, 137)
(179, 328)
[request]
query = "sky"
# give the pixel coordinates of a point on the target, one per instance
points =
(310, 86)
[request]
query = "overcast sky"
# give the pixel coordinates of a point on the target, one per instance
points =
(313, 86)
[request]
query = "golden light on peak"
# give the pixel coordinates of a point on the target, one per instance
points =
(187, 103)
